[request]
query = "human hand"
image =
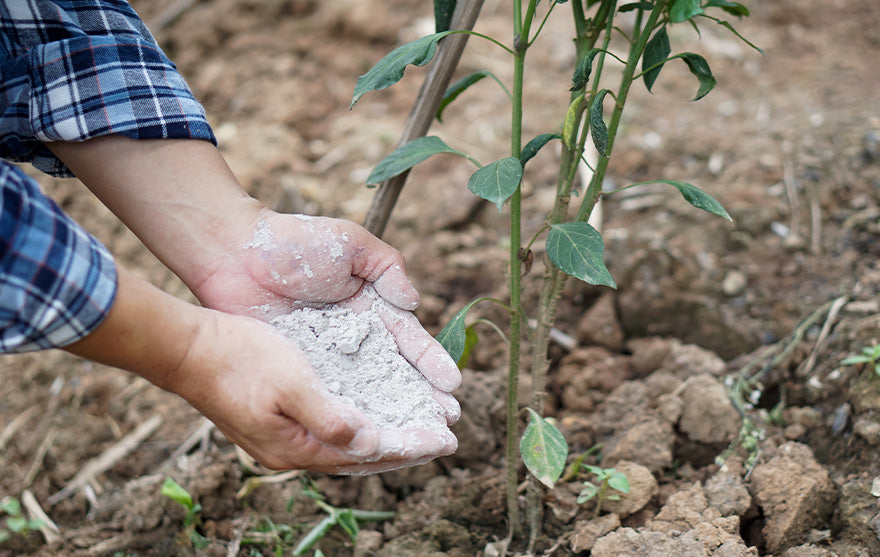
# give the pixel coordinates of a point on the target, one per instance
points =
(283, 262)
(261, 392)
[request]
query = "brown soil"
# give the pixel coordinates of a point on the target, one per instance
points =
(788, 142)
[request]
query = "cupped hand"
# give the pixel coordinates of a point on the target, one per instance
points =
(284, 262)
(262, 393)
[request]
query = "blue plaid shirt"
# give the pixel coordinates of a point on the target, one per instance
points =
(71, 70)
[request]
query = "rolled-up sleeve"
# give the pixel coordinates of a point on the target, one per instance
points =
(74, 70)
(57, 282)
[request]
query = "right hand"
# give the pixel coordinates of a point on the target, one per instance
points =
(262, 393)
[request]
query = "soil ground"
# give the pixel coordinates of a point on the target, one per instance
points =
(789, 142)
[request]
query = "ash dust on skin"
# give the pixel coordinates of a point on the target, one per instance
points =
(787, 142)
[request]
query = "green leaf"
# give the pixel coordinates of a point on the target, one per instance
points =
(453, 91)
(532, 147)
(177, 493)
(571, 123)
(576, 248)
(543, 449)
(470, 341)
(17, 524)
(619, 482)
(443, 10)
(583, 70)
(346, 520)
(598, 129)
(407, 156)
(389, 70)
(453, 337)
(683, 10)
(10, 506)
(497, 181)
(587, 493)
(696, 197)
(856, 360)
(656, 52)
(732, 29)
(700, 69)
(314, 535)
(632, 6)
(733, 8)
(4, 535)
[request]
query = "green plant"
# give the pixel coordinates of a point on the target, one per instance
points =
(870, 355)
(267, 532)
(191, 520)
(345, 518)
(606, 478)
(16, 522)
(573, 247)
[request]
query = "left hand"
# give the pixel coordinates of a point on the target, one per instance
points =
(285, 262)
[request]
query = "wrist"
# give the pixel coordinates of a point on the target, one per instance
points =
(178, 196)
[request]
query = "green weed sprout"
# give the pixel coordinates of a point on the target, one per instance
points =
(606, 478)
(870, 355)
(347, 519)
(191, 521)
(16, 522)
(267, 532)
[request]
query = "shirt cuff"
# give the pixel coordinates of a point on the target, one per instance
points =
(90, 86)
(57, 282)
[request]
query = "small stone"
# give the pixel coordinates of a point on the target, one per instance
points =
(586, 532)
(728, 493)
(794, 432)
(795, 493)
(649, 442)
(688, 360)
(875, 487)
(649, 353)
(707, 415)
(642, 487)
(867, 429)
(734, 283)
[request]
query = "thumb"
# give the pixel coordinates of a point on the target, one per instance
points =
(327, 417)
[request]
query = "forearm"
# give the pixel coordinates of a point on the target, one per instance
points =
(147, 331)
(178, 196)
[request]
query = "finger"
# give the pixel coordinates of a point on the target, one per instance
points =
(379, 467)
(382, 265)
(414, 444)
(394, 286)
(420, 348)
(451, 407)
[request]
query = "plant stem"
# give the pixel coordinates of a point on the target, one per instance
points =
(515, 278)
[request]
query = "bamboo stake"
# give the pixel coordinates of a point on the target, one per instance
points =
(422, 114)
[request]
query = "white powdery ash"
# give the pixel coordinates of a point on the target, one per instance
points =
(356, 358)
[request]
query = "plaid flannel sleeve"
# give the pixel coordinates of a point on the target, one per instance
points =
(57, 283)
(70, 71)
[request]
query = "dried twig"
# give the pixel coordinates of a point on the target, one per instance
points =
(48, 528)
(108, 458)
(12, 427)
(38, 458)
(197, 436)
(823, 335)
